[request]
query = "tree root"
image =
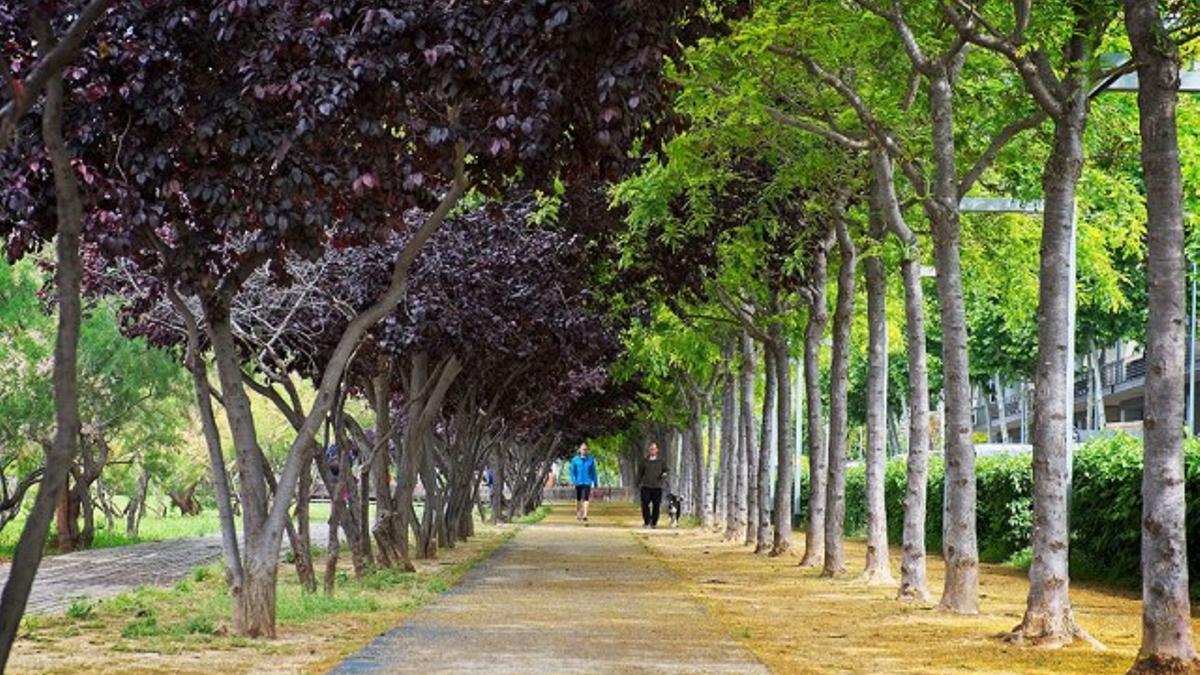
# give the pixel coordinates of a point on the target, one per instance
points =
(1164, 665)
(1049, 632)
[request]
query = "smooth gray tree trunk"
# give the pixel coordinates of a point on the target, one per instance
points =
(763, 536)
(749, 442)
(960, 592)
(1166, 626)
(913, 583)
(843, 317)
(782, 541)
(877, 569)
(814, 332)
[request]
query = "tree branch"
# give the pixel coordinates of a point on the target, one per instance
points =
(47, 66)
(1012, 130)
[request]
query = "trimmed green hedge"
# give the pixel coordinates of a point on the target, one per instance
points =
(1105, 510)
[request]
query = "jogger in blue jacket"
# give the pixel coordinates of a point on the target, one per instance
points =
(583, 477)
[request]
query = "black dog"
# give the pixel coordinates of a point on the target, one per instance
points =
(674, 509)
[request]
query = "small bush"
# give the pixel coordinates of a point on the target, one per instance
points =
(80, 609)
(200, 625)
(1106, 507)
(202, 574)
(146, 626)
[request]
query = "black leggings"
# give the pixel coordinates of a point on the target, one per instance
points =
(651, 501)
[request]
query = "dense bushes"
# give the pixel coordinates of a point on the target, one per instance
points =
(1105, 510)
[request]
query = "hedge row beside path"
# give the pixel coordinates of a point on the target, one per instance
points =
(1106, 507)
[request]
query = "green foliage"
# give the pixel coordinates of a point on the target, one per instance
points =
(1106, 507)
(80, 609)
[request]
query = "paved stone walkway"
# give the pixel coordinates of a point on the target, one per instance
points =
(103, 573)
(560, 599)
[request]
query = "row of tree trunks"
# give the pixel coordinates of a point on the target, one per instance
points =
(913, 583)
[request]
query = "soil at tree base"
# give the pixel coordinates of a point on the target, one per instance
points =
(562, 597)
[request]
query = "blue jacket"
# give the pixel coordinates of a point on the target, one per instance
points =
(583, 471)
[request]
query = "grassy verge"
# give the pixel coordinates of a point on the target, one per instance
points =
(535, 516)
(154, 527)
(187, 629)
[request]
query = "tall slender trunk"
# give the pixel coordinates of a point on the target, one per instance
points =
(303, 547)
(763, 504)
(710, 465)
(735, 527)
(1002, 406)
(913, 584)
(1166, 626)
(61, 453)
(843, 316)
(235, 574)
(749, 442)
(728, 447)
(1048, 615)
(877, 569)
(782, 541)
(700, 476)
(960, 592)
(1098, 386)
(818, 454)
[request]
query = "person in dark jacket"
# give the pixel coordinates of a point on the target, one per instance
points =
(651, 475)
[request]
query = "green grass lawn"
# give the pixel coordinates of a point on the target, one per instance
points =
(154, 527)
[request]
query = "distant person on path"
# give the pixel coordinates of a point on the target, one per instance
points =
(651, 475)
(584, 478)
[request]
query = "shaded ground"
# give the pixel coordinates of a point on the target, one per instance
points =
(103, 573)
(562, 598)
(796, 622)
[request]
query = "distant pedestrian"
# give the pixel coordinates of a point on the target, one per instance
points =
(651, 475)
(584, 478)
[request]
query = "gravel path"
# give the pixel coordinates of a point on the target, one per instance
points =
(561, 599)
(103, 573)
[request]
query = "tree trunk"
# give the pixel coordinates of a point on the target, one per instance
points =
(252, 481)
(710, 466)
(1166, 626)
(1002, 406)
(728, 448)
(782, 541)
(235, 576)
(818, 454)
(913, 584)
(136, 506)
(749, 447)
(735, 527)
(700, 478)
(1098, 384)
(303, 549)
(843, 316)
(59, 456)
(763, 503)
(878, 568)
(1049, 619)
(960, 593)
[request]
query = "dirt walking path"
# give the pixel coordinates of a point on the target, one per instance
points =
(562, 598)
